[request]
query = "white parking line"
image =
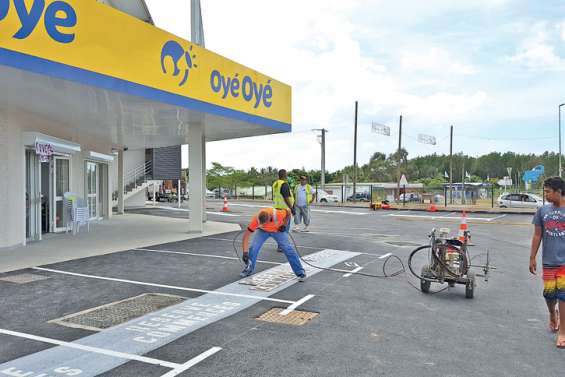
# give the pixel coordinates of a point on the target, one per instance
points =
(385, 256)
(101, 351)
(268, 243)
(201, 255)
(353, 271)
(189, 364)
(187, 210)
(162, 285)
(488, 219)
(312, 210)
(497, 217)
(293, 307)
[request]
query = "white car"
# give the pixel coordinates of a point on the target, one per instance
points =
(210, 194)
(324, 197)
(519, 201)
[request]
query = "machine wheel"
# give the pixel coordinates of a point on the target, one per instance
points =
(470, 286)
(424, 284)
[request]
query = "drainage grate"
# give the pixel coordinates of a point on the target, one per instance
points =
(23, 278)
(403, 243)
(116, 313)
(294, 318)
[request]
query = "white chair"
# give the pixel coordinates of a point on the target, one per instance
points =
(76, 212)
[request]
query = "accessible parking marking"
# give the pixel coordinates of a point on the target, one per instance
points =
(155, 330)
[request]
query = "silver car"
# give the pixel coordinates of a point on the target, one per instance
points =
(519, 201)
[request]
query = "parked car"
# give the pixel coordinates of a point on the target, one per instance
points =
(324, 197)
(410, 197)
(210, 194)
(519, 201)
(359, 197)
(220, 195)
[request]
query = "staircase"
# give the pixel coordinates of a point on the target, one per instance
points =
(135, 180)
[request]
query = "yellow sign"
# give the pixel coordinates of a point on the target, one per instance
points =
(89, 42)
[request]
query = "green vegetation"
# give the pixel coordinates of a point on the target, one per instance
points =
(428, 170)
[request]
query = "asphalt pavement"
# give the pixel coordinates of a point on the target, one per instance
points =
(365, 327)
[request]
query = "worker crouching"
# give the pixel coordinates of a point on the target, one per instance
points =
(270, 223)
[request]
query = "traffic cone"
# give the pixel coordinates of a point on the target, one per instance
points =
(463, 227)
(226, 208)
(432, 208)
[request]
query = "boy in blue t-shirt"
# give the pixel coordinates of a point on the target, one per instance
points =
(549, 222)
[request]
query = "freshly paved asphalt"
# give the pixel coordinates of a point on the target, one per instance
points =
(366, 327)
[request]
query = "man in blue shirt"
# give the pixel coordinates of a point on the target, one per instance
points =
(549, 222)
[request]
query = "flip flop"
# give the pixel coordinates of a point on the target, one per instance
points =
(561, 344)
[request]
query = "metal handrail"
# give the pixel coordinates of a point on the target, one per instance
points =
(137, 175)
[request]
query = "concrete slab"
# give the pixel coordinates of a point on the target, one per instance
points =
(123, 232)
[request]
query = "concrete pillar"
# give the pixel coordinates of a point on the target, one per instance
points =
(121, 186)
(204, 215)
(195, 171)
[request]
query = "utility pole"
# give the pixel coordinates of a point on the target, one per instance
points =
(399, 155)
(355, 153)
(560, 170)
(323, 143)
(451, 166)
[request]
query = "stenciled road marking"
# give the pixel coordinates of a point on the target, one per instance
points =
(101, 351)
(352, 272)
(385, 256)
(202, 255)
(155, 330)
(160, 285)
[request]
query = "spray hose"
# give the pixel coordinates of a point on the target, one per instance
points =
(385, 274)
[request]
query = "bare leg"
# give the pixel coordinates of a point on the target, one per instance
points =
(553, 315)
(561, 334)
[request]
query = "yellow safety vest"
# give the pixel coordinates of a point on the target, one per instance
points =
(278, 199)
(308, 192)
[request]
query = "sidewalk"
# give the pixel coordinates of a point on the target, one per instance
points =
(122, 232)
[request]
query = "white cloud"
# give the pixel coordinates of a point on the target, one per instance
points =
(434, 60)
(537, 52)
(332, 56)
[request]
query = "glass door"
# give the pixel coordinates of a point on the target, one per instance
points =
(92, 189)
(33, 197)
(61, 185)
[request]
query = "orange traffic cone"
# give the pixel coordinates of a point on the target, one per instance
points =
(226, 208)
(432, 208)
(463, 227)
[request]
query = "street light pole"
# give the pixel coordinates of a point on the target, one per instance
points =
(560, 170)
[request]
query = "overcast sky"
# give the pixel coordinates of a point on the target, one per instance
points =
(495, 69)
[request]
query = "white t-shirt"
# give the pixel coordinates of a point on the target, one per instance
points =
(301, 200)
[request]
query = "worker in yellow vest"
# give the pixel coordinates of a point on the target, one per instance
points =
(282, 198)
(304, 196)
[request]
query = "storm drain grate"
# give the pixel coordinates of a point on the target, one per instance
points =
(403, 243)
(23, 278)
(294, 318)
(116, 313)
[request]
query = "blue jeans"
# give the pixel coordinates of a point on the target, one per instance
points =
(283, 242)
(302, 214)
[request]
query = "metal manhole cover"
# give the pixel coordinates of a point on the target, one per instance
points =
(23, 278)
(403, 243)
(116, 313)
(294, 318)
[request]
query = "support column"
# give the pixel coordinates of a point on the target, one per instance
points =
(204, 215)
(121, 186)
(195, 171)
